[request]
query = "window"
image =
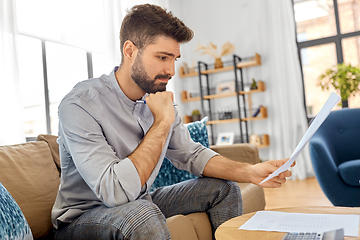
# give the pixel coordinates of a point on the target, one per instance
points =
(65, 67)
(327, 34)
(61, 42)
(32, 85)
(315, 97)
(315, 18)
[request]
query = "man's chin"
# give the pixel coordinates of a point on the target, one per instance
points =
(153, 88)
(157, 90)
(161, 87)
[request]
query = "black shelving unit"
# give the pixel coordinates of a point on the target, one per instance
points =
(241, 100)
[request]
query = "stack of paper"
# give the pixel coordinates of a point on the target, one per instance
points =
(302, 222)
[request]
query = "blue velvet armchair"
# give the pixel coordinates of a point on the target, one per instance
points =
(335, 155)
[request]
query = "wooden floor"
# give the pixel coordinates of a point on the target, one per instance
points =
(296, 194)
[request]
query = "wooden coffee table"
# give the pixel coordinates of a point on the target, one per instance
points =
(229, 229)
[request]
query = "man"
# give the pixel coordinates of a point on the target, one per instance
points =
(112, 147)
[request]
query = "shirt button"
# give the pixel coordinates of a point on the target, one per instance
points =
(139, 119)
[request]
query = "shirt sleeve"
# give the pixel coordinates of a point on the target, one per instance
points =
(114, 181)
(184, 153)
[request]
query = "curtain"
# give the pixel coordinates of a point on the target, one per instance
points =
(285, 98)
(11, 124)
(114, 13)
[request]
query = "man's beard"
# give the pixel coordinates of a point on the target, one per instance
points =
(143, 80)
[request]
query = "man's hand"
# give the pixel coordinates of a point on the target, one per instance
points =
(161, 106)
(224, 168)
(261, 171)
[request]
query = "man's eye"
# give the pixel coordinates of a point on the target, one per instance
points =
(162, 58)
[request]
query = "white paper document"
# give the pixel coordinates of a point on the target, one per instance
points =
(302, 222)
(319, 119)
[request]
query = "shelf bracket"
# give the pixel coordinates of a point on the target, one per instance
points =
(243, 108)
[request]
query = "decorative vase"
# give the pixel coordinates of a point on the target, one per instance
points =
(218, 63)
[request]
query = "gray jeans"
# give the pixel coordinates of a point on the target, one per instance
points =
(144, 219)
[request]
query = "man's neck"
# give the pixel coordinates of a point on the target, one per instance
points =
(127, 84)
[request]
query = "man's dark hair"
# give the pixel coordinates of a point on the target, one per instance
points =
(144, 23)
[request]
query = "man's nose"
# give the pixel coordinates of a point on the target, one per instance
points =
(170, 69)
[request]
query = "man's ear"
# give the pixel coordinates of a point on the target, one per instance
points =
(130, 50)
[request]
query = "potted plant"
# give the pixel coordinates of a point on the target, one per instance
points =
(344, 78)
(196, 116)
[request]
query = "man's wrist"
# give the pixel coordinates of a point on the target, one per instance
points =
(162, 125)
(248, 172)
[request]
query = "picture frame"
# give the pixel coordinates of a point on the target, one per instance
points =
(225, 87)
(225, 138)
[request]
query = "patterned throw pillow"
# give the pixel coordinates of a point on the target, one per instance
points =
(13, 224)
(169, 174)
(198, 131)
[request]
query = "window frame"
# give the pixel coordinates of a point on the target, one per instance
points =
(336, 39)
(45, 76)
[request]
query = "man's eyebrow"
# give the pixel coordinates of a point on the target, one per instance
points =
(169, 54)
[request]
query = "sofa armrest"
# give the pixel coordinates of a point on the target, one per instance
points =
(252, 195)
(243, 152)
(181, 227)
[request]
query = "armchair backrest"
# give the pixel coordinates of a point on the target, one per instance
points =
(341, 130)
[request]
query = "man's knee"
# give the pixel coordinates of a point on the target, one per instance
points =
(146, 221)
(225, 186)
(226, 191)
(234, 187)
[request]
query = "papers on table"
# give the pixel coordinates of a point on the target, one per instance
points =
(319, 119)
(302, 222)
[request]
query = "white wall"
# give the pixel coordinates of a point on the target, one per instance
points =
(237, 21)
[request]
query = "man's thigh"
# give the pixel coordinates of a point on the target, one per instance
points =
(197, 195)
(140, 219)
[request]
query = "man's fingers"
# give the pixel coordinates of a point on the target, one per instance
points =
(285, 174)
(273, 166)
(279, 179)
(276, 182)
(273, 184)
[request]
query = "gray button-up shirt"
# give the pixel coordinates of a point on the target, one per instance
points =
(99, 127)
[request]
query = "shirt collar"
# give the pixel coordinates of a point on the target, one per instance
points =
(119, 92)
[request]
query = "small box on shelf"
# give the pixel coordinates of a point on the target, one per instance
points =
(260, 140)
(261, 86)
(187, 119)
(263, 112)
(265, 140)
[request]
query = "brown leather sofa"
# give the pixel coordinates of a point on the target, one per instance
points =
(31, 173)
